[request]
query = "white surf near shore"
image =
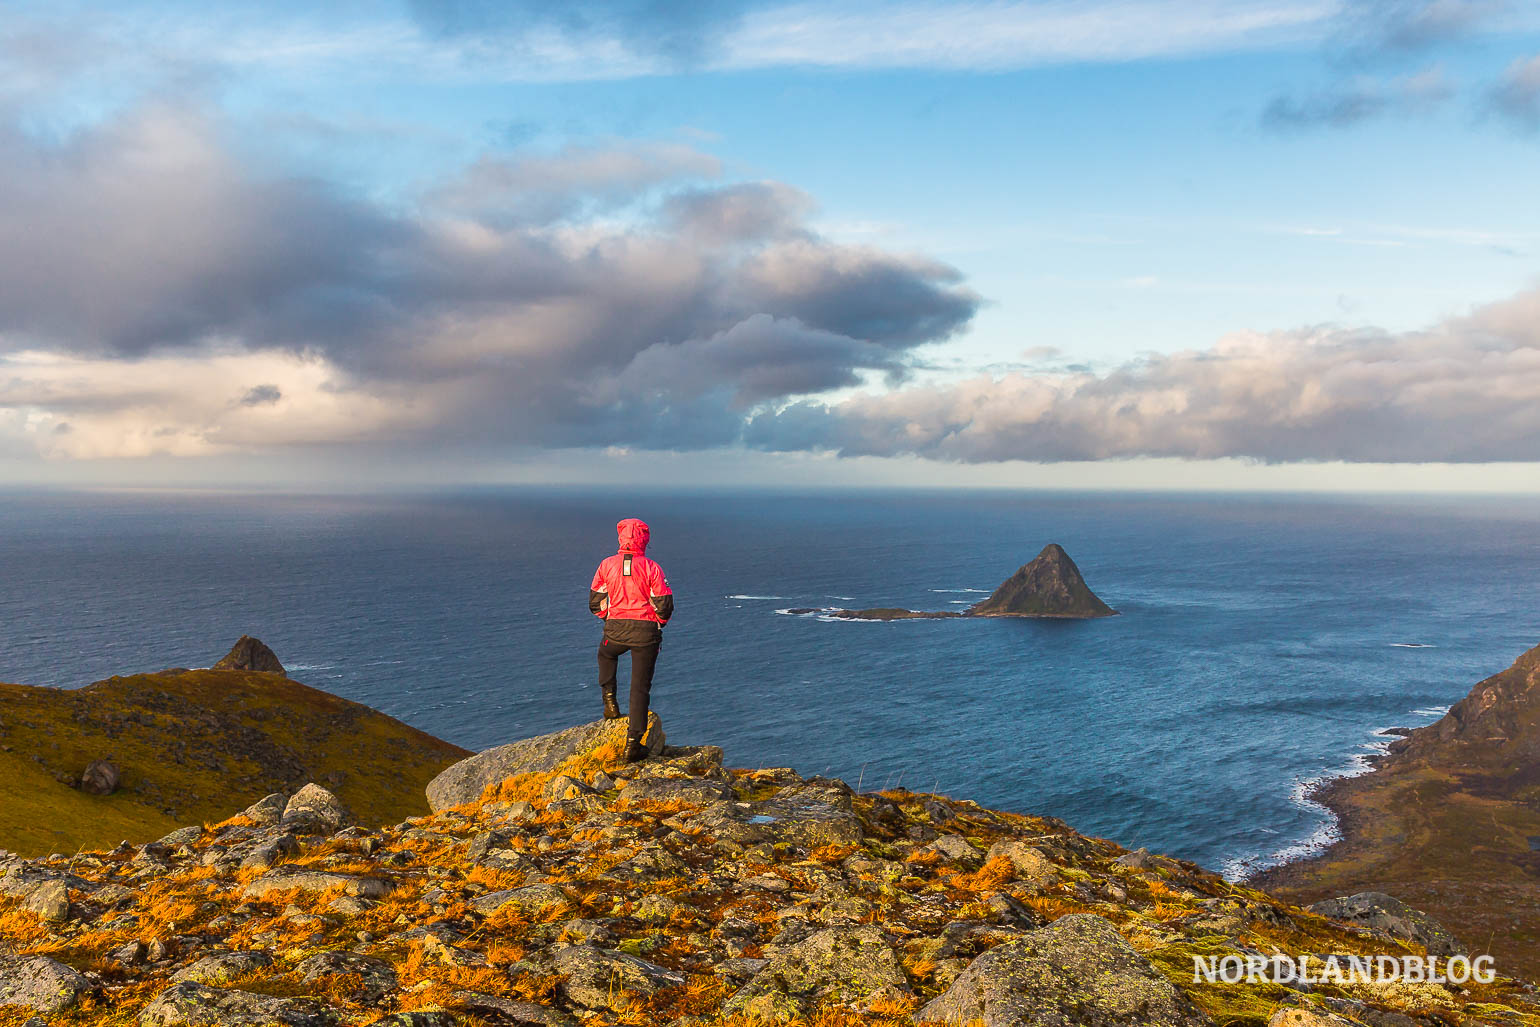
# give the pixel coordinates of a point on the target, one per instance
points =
(1329, 831)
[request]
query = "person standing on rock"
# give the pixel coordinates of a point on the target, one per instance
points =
(631, 595)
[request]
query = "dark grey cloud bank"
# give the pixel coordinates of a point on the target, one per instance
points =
(709, 315)
(540, 326)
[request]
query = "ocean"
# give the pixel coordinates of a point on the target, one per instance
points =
(1265, 640)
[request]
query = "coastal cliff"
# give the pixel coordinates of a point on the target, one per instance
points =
(1449, 821)
(554, 885)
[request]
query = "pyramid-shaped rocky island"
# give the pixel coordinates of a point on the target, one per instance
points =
(1050, 586)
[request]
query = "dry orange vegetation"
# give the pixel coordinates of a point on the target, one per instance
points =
(618, 907)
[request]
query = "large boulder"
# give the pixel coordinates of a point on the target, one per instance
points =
(100, 778)
(818, 811)
(250, 654)
(595, 978)
(223, 968)
(1390, 917)
(286, 879)
(847, 965)
(41, 984)
(543, 754)
(314, 810)
(189, 1004)
(1076, 972)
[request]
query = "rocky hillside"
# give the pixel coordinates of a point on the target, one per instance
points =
(1449, 821)
(136, 756)
(553, 886)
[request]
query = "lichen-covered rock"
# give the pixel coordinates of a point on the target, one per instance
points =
(1307, 1018)
(1390, 917)
(223, 968)
(812, 813)
(531, 900)
(267, 810)
(595, 978)
(846, 965)
(189, 1004)
(957, 849)
(286, 878)
(375, 977)
(1076, 972)
(510, 1012)
(1027, 860)
(41, 984)
(50, 901)
(314, 810)
(466, 780)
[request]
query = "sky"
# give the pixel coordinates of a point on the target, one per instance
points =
(1285, 244)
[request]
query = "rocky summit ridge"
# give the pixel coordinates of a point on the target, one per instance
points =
(562, 887)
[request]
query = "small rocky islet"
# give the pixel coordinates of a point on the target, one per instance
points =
(547, 883)
(1049, 586)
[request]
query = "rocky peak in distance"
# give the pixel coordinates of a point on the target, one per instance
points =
(1049, 586)
(250, 654)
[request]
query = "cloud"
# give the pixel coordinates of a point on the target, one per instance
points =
(1516, 96)
(1372, 27)
(1361, 99)
(142, 245)
(1466, 390)
(261, 395)
(677, 30)
(576, 180)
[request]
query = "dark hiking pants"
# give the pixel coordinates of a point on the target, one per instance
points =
(643, 659)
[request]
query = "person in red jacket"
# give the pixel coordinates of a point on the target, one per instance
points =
(630, 593)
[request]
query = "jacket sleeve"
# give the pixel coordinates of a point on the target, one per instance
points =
(662, 596)
(598, 594)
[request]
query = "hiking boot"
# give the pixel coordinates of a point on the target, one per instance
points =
(635, 750)
(611, 709)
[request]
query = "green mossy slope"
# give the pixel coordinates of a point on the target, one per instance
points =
(192, 745)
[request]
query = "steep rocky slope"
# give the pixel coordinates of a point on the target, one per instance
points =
(1449, 821)
(187, 746)
(1049, 586)
(674, 891)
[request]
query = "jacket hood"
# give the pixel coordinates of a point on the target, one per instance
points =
(633, 534)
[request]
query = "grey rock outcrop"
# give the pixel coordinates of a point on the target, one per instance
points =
(314, 810)
(100, 778)
(1076, 972)
(846, 964)
(466, 780)
(595, 978)
(189, 1004)
(41, 984)
(1390, 917)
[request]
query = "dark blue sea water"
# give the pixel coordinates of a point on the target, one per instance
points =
(1261, 642)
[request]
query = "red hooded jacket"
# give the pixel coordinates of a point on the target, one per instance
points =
(630, 591)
